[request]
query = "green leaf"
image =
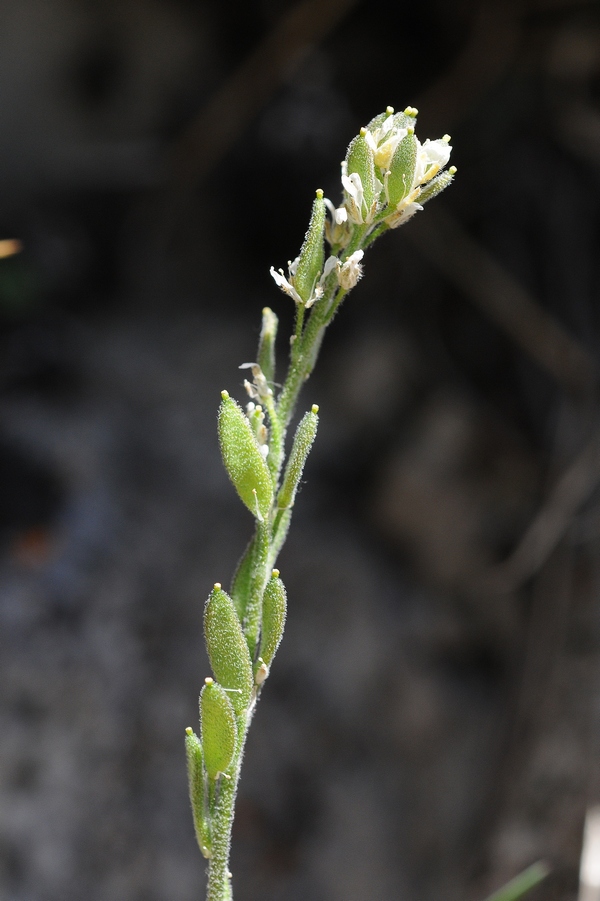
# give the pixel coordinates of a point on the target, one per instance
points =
(219, 730)
(227, 648)
(266, 344)
(273, 617)
(303, 441)
(522, 883)
(242, 458)
(402, 170)
(309, 265)
(193, 752)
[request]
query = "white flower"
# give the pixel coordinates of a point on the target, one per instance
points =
(336, 228)
(282, 282)
(432, 156)
(351, 270)
(259, 389)
(355, 194)
(331, 264)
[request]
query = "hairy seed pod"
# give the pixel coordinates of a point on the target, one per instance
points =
(193, 753)
(273, 617)
(436, 186)
(359, 159)
(219, 730)
(402, 170)
(242, 458)
(309, 264)
(227, 648)
(303, 441)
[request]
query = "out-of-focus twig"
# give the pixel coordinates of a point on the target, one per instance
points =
(491, 47)
(233, 106)
(552, 521)
(467, 264)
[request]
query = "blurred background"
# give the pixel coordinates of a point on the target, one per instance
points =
(431, 724)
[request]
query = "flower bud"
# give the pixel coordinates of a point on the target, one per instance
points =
(243, 459)
(266, 344)
(219, 730)
(227, 648)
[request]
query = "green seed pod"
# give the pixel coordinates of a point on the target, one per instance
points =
(399, 182)
(437, 185)
(219, 730)
(273, 617)
(240, 585)
(359, 159)
(303, 441)
(227, 648)
(266, 344)
(376, 123)
(309, 265)
(242, 458)
(193, 753)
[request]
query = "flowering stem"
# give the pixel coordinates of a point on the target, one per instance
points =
(250, 623)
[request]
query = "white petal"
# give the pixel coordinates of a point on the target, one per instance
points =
(437, 151)
(329, 266)
(355, 257)
(285, 286)
(353, 185)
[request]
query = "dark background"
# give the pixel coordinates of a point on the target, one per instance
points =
(431, 724)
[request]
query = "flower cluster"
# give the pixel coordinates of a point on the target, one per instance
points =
(387, 176)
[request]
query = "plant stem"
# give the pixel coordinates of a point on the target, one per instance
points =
(222, 821)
